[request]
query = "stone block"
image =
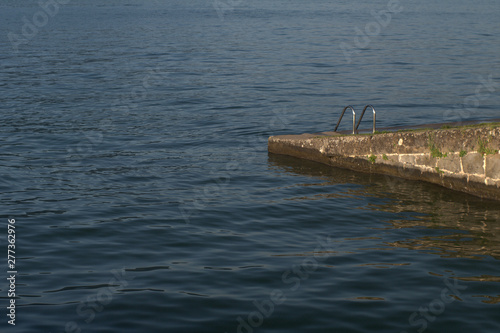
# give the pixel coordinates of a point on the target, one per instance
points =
(407, 158)
(493, 166)
(473, 163)
(391, 159)
(490, 182)
(476, 179)
(426, 160)
(450, 163)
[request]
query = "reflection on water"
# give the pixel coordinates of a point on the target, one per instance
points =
(470, 225)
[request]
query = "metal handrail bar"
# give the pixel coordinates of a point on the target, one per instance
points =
(361, 117)
(353, 119)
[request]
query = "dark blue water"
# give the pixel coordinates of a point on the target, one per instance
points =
(133, 142)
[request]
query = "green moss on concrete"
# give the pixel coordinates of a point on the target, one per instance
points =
(434, 150)
(429, 129)
(483, 148)
(415, 130)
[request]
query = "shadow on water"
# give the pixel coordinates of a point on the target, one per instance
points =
(472, 224)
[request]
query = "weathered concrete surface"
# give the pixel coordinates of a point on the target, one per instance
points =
(464, 159)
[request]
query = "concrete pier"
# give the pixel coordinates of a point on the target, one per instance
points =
(464, 158)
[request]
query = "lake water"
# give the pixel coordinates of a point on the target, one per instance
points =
(134, 160)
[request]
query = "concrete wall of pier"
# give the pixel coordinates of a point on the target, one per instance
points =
(462, 159)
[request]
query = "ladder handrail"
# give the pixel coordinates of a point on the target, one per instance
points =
(353, 119)
(361, 117)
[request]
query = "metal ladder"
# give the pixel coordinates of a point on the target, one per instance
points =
(354, 125)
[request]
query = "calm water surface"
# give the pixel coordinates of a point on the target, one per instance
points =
(134, 159)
